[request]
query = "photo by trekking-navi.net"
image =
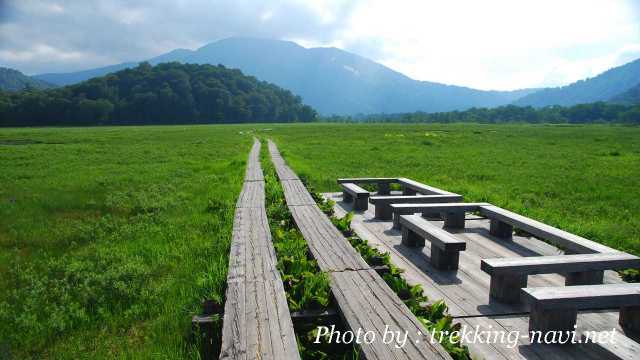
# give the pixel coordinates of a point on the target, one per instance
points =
(319, 180)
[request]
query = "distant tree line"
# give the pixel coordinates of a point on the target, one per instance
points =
(599, 112)
(170, 93)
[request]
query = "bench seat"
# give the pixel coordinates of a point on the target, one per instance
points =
(503, 221)
(453, 213)
(411, 187)
(383, 183)
(354, 193)
(383, 203)
(556, 308)
(445, 248)
(509, 275)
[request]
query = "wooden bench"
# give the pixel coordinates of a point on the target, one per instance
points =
(556, 308)
(453, 213)
(354, 193)
(445, 249)
(412, 187)
(382, 183)
(503, 221)
(509, 275)
(383, 203)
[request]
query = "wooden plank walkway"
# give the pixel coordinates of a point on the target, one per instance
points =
(256, 323)
(366, 302)
(466, 291)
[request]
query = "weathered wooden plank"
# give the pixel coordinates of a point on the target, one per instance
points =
(296, 194)
(436, 236)
(418, 207)
(256, 323)
(282, 169)
(353, 189)
(252, 195)
(367, 302)
(254, 171)
(422, 188)
(368, 180)
(559, 237)
(606, 296)
(560, 263)
(413, 199)
(332, 251)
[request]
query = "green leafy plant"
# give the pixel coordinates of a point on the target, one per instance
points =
(307, 288)
(433, 316)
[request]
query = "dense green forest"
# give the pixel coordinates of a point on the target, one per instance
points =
(630, 97)
(599, 112)
(14, 80)
(169, 93)
(604, 87)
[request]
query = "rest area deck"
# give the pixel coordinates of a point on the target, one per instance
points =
(466, 290)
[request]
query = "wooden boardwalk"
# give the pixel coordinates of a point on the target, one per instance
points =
(364, 299)
(257, 323)
(466, 291)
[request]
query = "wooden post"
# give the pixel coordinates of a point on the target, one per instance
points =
(630, 318)
(408, 191)
(396, 220)
(361, 203)
(501, 229)
(552, 320)
(454, 220)
(584, 278)
(506, 288)
(411, 239)
(383, 211)
(444, 260)
(383, 188)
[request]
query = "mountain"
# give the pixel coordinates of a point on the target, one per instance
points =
(14, 80)
(62, 79)
(603, 87)
(629, 97)
(169, 93)
(331, 80)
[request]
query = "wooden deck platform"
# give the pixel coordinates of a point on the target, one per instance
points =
(256, 323)
(466, 290)
(365, 301)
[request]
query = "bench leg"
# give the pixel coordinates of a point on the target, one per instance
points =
(584, 278)
(431, 215)
(383, 188)
(444, 260)
(396, 220)
(630, 318)
(407, 191)
(361, 203)
(411, 239)
(552, 320)
(454, 220)
(346, 197)
(506, 288)
(501, 229)
(383, 212)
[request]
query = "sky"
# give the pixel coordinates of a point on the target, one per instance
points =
(489, 44)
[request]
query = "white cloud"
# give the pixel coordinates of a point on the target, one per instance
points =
(490, 44)
(493, 43)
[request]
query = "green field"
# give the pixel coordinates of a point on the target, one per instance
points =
(111, 237)
(584, 179)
